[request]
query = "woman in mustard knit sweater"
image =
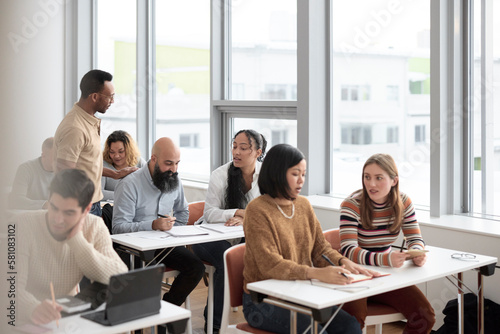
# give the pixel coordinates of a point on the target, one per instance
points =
(370, 221)
(284, 241)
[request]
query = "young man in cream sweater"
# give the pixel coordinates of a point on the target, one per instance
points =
(60, 246)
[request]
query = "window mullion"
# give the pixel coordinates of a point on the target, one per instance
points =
(145, 74)
(487, 135)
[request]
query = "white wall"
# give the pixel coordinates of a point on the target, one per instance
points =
(31, 93)
(31, 79)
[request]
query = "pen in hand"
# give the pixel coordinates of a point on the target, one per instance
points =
(53, 300)
(402, 245)
(330, 261)
(163, 216)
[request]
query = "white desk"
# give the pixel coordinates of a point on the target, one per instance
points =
(320, 300)
(143, 244)
(169, 313)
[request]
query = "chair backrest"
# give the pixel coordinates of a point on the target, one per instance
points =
(195, 211)
(333, 237)
(233, 264)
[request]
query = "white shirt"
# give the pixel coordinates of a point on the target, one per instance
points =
(214, 202)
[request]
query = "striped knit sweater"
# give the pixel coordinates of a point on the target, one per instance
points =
(373, 247)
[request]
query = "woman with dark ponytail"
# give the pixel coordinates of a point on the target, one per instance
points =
(232, 186)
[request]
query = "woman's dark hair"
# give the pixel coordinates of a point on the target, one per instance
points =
(73, 183)
(272, 177)
(235, 191)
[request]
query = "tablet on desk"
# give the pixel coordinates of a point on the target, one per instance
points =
(132, 295)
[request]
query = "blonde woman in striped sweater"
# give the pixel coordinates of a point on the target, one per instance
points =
(370, 221)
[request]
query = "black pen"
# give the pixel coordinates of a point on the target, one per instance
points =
(330, 261)
(402, 245)
(163, 216)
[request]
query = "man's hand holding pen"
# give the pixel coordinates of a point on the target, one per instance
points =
(163, 222)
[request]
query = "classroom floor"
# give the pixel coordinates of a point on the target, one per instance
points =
(199, 298)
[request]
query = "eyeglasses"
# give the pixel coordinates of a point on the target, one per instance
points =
(111, 97)
(464, 256)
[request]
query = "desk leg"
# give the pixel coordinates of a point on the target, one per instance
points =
(460, 304)
(132, 261)
(293, 322)
(480, 304)
(315, 327)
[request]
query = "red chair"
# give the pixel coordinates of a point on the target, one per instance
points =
(378, 314)
(233, 290)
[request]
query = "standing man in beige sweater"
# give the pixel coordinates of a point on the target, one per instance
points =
(62, 245)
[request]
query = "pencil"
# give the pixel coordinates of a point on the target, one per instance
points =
(53, 300)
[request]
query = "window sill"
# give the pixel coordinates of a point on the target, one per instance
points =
(459, 223)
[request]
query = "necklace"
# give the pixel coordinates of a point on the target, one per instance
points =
(285, 215)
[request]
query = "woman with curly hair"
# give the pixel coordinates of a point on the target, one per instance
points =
(120, 153)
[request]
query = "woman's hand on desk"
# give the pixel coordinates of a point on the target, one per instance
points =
(357, 269)
(163, 224)
(330, 274)
(234, 221)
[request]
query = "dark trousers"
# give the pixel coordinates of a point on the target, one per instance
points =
(276, 319)
(191, 272)
(213, 252)
(410, 301)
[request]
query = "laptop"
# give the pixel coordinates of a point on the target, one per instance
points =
(132, 295)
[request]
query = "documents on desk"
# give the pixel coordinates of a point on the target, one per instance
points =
(186, 231)
(154, 235)
(222, 228)
(176, 231)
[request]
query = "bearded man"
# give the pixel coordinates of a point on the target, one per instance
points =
(152, 198)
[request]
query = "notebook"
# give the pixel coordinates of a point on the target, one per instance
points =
(130, 296)
(71, 304)
(415, 252)
(222, 228)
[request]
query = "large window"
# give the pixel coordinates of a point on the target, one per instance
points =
(377, 97)
(116, 53)
(183, 80)
(378, 47)
(485, 97)
(263, 50)
(180, 85)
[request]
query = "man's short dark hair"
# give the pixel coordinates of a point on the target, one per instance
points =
(272, 177)
(93, 82)
(73, 183)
